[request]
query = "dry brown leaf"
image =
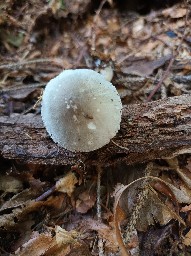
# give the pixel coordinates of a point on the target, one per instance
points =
(26, 207)
(116, 37)
(86, 200)
(165, 190)
(121, 215)
(49, 244)
(55, 5)
(65, 237)
(9, 220)
(62, 9)
(186, 208)
(10, 184)
(63, 242)
(117, 194)
(155, 210)
(162, 212)
(174, 12)
(56, 202)
(105, 232)
(185, 175)
(187, 238)
(67, 183)
(145, 68)
(19, 199)
(181, 192)
(152, 208)
(21, 93)
(37, 245)
(138, 28)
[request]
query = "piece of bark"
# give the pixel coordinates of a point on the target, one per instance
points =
(159, 129)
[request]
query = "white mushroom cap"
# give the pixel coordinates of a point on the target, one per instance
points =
(81, 110)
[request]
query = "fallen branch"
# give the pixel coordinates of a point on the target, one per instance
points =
(155, 130)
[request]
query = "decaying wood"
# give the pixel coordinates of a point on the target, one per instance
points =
(154, 130)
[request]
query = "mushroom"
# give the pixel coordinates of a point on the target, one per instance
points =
(81, 111)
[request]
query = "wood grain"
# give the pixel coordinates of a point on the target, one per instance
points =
(155, 130)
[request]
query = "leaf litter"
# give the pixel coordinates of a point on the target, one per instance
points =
(51, 210)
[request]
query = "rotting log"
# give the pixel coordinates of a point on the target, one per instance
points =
(155, 130)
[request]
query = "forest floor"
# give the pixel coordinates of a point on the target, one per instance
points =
(55, 202)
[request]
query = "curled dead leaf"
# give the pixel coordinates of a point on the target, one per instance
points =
(186, 208)
(86, 200)
(67, 183)
(187, 238)
(154, 202)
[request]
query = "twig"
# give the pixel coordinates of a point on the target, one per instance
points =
(46, 194)
(28, 86)
(100, 240)
(95, 24)
(23, 63)
(162, 80)
(99, 172)
(118, 145)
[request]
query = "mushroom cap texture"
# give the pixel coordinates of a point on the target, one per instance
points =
(81, 110)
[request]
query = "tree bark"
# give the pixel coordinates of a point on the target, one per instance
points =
(155, 130)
